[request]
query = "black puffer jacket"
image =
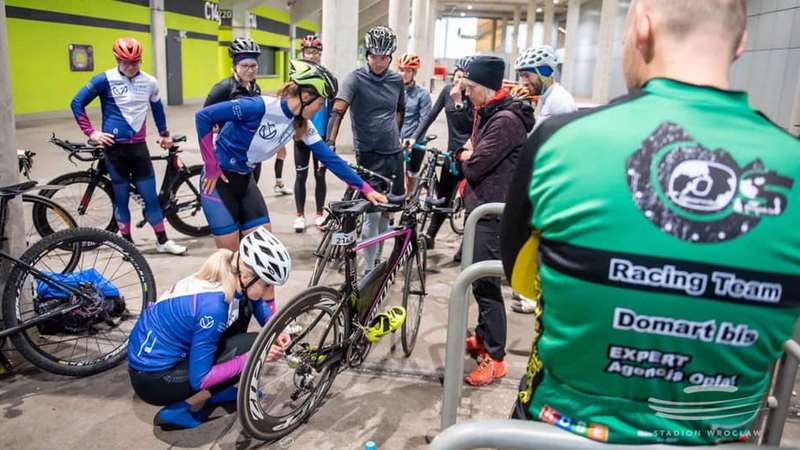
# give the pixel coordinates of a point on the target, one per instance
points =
(500, 131)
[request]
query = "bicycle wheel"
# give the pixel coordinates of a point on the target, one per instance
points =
(94, 337)
(98, 200)
(413, 296)
(275, 397)
(322, 257)
(458, 218)
(184, 211)
(46, 216)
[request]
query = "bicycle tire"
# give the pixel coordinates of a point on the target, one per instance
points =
(321, 261)
(458, 218)
(174, 217)
(75, 178)
(259, 424)
(41, 210)
(77, 238)
(416, 265)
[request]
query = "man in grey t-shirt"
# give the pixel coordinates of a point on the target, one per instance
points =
(375, 97)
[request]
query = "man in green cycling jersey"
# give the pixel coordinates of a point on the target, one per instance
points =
(665, 229)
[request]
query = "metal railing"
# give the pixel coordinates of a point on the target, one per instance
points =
(528, 435)
(468, 243)
(535, 435)
(458, 309)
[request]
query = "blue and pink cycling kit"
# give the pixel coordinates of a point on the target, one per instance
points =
(124, 103)
(188, 322)
(253, 130)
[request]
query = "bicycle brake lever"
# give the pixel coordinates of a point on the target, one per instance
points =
(71, 158)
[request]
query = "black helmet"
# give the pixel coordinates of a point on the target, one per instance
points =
(243, 45)
(380, 40)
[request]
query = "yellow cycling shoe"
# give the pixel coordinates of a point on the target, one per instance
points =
(385, 323)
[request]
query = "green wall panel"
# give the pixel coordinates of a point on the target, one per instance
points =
(39, 48)
(104, 9)
(199, 71)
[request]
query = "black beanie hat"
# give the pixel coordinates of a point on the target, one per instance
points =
(486, 70)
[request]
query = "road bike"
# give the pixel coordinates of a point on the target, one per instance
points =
(327, 327)
(90, 197)
(42, 215)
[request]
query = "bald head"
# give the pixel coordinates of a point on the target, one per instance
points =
(681, 19)
(689, 40)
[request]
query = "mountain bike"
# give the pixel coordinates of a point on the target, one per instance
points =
(45, 216)
(72, 298)
(328, 327)
(329, 258)
(90, 192)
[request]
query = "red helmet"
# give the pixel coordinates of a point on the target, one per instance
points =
(311, 41)
(128, 49)
(409, 61)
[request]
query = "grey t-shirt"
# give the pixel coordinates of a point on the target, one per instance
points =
(373, 103)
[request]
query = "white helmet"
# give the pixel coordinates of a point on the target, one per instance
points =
(534, 57)
(266, 255)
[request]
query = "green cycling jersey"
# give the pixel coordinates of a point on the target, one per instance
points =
(662, 231)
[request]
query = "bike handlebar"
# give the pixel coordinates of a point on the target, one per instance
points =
(93, 150)
(364, 171)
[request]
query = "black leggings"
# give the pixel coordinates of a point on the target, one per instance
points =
(172, 386)
(445, 187)
(302, 154)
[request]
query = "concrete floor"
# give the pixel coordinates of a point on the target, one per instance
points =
(391, 400)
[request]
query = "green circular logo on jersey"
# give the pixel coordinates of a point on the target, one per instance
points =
(697, 194)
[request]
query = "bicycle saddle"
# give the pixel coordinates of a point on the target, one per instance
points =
(349, 207)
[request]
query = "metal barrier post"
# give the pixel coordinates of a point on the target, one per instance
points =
(787, 372)
(468, 243)
(456, 334)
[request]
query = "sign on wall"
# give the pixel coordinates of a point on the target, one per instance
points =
(81, 58)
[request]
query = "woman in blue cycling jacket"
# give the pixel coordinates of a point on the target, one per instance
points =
(182, 353)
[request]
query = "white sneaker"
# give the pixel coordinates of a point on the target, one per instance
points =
(300, 224)
(171, 247)
(281, 189)
(319, 221)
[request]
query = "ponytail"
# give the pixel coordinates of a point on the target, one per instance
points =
(220, 268)
(292, 89)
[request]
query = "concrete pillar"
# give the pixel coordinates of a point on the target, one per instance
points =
(549, 21)
(602, 69)
(530, 21)
(515, 35)
(293, 52)
(8, 150)
(571, 44)
(340, 28)
(419, 20)
(158, 34)
(426, 71)
(398, 21)
(240, 21)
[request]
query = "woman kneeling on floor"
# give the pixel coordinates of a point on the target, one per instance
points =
(184, 353)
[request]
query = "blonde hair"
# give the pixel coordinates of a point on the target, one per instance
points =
(292, 89)
(221, 268)
(490, 93)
